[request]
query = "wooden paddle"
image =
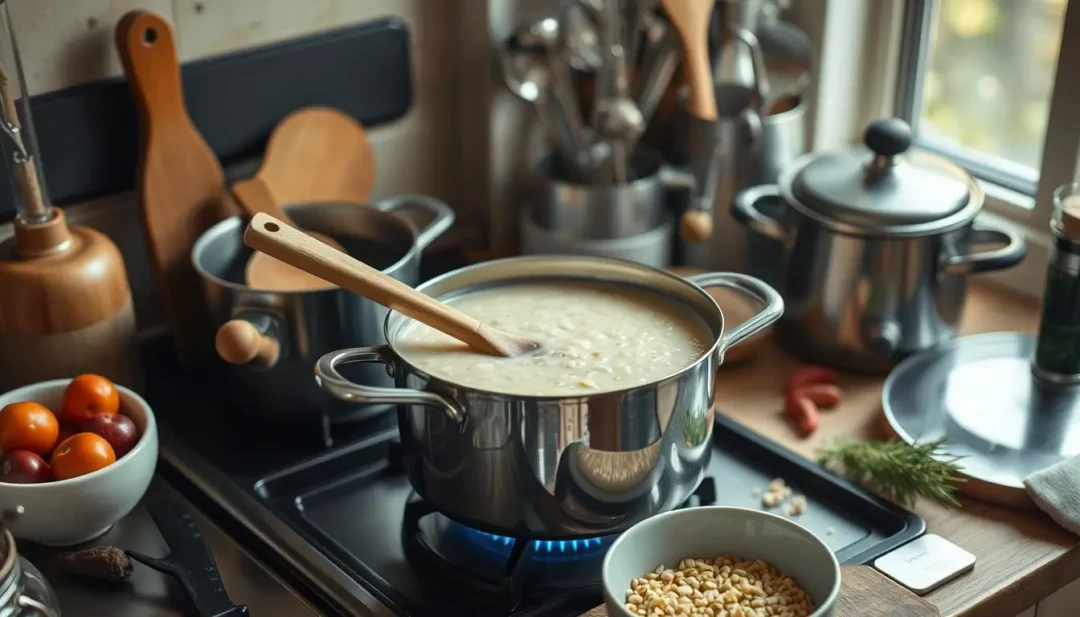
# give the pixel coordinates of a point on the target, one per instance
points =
(181, 185)
(294, 247)
(316, 154)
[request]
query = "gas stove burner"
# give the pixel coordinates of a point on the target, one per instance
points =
(506, 570)
(543, 550)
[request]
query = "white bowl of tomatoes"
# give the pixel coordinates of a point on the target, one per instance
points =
(77, 454)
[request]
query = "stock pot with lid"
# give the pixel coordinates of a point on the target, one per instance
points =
(557, 466)
(878, 241)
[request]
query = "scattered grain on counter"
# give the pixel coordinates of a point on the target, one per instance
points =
(775, 493)
(722, 587)
(797, 505)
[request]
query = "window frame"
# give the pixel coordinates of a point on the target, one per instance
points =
(862, 53)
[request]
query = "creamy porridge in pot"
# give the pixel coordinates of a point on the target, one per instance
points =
(594, 337)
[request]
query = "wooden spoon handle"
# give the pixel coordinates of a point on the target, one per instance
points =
(292, 246)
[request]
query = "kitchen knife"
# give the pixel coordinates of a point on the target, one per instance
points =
(189, 560)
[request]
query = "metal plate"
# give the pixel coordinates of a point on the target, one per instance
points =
(978, 393)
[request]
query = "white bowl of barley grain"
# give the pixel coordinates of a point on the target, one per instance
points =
(702, 561)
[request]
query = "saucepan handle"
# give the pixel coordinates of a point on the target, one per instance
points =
(772, 305)
(985, 232)
(745, 209)
(329, 379)
(442, 216)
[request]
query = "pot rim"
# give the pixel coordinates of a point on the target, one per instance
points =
(228, 225)
(395, 322)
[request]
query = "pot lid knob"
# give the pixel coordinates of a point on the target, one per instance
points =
(888, 137)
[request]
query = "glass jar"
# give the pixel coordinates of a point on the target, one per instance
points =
(1057, 349)
(24, 592)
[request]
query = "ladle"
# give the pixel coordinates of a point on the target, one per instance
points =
(292, 246)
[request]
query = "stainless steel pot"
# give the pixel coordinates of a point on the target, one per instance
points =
(271, 339)
(878, 242)
(556, 467)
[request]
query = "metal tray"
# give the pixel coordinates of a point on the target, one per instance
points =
(857, 524)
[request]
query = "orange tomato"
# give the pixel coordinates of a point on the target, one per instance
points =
(80, 454)
(86, 396)
(28, 426)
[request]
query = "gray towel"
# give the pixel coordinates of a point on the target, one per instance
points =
(1056, 490)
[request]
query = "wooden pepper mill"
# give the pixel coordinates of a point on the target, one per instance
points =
(65, 303)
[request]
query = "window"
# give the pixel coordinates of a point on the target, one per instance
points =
(976, 80)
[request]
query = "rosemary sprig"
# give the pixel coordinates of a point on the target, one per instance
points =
(897, 470)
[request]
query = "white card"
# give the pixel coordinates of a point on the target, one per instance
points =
(926, 563)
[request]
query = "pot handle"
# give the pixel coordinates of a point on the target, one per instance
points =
(772, 305)
(250, 338)
(442, 215)
(986, 232)
(744, 209)
(330, 380)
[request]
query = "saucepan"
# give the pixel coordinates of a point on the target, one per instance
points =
(556, 467)
(267, 341)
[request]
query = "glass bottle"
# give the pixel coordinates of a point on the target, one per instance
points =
(1057, 349)
(24, 592)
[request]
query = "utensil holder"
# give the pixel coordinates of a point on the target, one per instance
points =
(627, 221)
(601, 211)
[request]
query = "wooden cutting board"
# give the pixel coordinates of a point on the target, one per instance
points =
(181, 185)
(864, 592)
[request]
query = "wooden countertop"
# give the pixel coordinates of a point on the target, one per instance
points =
(1023, 556)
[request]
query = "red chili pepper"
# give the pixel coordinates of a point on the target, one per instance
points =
(804, 412)
(823, 395)
(809, 375)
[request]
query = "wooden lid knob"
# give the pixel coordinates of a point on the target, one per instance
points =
(695, 226)
(240, 342)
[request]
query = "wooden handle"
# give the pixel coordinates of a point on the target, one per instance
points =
(691, 20)
(702, 102)
(254, 197)
(292, 246)
(695, 226)
(240, 342)
(147, 48)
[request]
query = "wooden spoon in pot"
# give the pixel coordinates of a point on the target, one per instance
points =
(263, 271)
(294, 247)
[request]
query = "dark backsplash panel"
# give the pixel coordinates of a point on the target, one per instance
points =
(89, 134)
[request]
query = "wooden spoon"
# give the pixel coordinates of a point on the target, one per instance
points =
(691, 20)
(317, 154)
(263, 271)
(294, 247)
